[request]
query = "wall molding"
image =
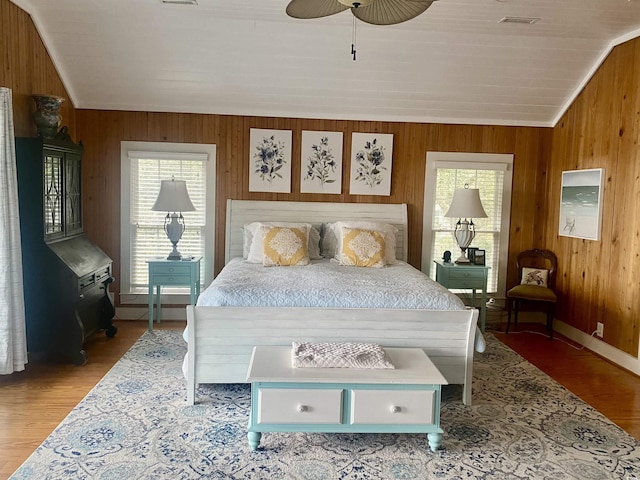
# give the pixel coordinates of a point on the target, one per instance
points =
(597, 346)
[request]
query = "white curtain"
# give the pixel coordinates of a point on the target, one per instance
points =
(13, 339)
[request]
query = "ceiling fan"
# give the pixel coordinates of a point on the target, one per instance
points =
(375, 12)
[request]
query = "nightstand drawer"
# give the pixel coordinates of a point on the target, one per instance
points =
(466, 279)
(393, 407)
(172, 269)
(170, 279)
(299, 406)
(466, 283)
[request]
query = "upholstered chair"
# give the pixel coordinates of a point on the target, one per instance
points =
(537, 275)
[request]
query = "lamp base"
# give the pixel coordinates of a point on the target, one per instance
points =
(175, 254)
(463, 259)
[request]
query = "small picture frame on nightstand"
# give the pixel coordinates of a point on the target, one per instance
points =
(479, 257)
(471, 254)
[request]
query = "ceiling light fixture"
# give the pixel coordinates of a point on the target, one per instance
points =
(521, 20)
(374, 12)
(179, 2)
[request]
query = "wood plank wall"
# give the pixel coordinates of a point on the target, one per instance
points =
(27, 69)
(599, 281)
(102, 132)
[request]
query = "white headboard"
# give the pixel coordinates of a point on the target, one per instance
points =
(241, 212)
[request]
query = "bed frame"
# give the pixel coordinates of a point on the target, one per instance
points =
(221, 339)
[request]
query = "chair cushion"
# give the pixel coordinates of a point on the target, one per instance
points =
(532, 292)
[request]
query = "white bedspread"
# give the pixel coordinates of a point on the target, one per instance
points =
(325, 283)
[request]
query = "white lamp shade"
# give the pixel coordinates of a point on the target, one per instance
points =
(466, 204)
(173, 197)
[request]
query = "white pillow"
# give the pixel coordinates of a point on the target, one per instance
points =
(534, 276)
(332, 241)
(253, 249)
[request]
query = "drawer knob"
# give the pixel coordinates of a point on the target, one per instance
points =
(302, 408)
(171, 269)
(395, 409)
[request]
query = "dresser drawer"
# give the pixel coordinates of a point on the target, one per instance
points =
(172, 269)
(170, 279)
(299, 406)
(399, 407)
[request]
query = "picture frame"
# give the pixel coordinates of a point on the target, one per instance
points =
(581, 203)
(321, 162)
(371, 162)
(479, 257)
(471, 254)
(270, 160)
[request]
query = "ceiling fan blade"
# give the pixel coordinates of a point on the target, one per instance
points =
(314, 8)
(390, 12)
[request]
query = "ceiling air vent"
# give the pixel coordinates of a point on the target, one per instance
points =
(179, 2)
(522, 20)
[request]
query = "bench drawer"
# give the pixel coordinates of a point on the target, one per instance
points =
(387, 407)
(299, 406)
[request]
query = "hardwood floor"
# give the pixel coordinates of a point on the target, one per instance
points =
(613, 391)
(34, 402)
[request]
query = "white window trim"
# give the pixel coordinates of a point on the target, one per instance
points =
(469, 161)
(172, 150)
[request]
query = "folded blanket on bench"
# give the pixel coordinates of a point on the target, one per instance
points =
(339, 355)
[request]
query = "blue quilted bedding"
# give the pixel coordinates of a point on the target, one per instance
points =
(325, 283)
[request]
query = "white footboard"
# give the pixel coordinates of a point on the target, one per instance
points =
(221, 338)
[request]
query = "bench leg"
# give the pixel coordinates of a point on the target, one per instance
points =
(254, 439)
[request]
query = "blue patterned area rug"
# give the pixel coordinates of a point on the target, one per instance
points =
(135, 425)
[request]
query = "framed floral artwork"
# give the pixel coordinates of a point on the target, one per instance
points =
(321, 165)
(371, 160)
(581, 203)
(270, 160)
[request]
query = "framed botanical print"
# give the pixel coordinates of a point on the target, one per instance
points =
(270, 161)
(371, 161)
(321, 165)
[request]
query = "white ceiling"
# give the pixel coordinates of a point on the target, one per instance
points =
(453, 64)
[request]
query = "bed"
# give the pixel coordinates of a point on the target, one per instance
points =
(228, 321)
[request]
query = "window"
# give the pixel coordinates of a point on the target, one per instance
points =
(144, 165)
(492, 175)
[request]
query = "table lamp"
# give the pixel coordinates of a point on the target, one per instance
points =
(465, 205)
(173, 199)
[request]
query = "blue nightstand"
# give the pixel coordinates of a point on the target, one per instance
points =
(466, 276)
(174, 273)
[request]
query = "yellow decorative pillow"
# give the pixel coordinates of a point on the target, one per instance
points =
(362, 248)
(285, 246)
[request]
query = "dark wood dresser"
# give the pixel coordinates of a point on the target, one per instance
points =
(66, 275)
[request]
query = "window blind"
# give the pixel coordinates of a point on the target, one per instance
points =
(148, 239)
(489, 179)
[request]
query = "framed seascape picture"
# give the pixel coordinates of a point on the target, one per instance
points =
(371, 160)
(581, 203)
(321, 165)
(270, 160)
